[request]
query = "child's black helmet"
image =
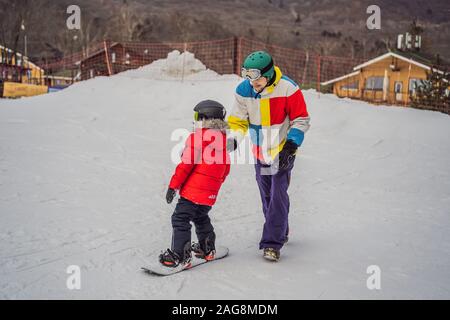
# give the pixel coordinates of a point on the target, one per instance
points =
(209, 109)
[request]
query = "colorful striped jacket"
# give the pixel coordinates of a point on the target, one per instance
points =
(276, 114)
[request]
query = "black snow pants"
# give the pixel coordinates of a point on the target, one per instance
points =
(185, 212)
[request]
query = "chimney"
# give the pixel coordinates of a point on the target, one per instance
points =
(408, 40)
(400, 42)
(418, 42)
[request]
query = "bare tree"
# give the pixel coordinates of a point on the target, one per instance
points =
(129, 21)
(89, 33)
(294, 11)
(16, 18)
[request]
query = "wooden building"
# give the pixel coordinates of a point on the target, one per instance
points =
(116, 57)
(19, 76)
(390, 78)
(57, 83)
(15, 67)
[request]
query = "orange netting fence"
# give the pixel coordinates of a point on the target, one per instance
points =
(222, 56)
(225, 56)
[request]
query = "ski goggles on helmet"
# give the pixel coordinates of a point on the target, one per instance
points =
(195, 115)
(255, 74)
(251, 74)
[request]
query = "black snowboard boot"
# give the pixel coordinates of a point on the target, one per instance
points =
(271, 254)
(206, 248)
(172, 259)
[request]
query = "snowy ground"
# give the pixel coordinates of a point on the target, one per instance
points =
(83, 174)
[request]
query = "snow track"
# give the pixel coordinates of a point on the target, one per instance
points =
(83, 174)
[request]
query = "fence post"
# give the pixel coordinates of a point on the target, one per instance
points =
(184, 60)
(318, 76)
(306, 66)
(108, 64)
(237, 55)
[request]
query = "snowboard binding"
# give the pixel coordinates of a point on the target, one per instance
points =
(171, 259)
(205, 249)
(200, 253)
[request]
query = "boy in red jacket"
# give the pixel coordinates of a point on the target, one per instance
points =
(204, 166)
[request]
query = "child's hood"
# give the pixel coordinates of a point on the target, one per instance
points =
(217, 124)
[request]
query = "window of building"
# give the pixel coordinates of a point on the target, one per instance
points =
(352, 86)
(415, 83)
(374, 83)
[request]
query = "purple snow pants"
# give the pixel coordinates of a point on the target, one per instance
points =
(273, 185)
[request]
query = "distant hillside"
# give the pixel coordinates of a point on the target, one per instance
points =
(332, 27)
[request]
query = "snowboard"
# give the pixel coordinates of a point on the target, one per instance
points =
(156, 268)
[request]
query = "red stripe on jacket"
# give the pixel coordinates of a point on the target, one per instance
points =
(296, 106)
(277, 107)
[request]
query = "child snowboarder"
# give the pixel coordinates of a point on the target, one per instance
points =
(204, 166)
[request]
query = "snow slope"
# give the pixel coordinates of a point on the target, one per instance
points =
(83, 174)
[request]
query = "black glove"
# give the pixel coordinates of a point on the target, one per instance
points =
(287, 156)
(170, 195)
(231, 144)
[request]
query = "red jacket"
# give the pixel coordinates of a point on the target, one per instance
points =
(204, 166)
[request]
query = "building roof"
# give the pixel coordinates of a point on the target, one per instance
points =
(341, 78)
(399, 55)
(427, 59)
(98, 51)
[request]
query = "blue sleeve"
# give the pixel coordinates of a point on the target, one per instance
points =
(296, 135)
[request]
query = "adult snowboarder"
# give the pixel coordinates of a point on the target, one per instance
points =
(271, 107)
(204, 166)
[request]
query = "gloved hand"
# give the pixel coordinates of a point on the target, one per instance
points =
(170, 195)
(287, 155)
(231, 144)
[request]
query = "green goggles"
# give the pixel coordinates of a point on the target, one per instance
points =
(251, 74)
(195, 115)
